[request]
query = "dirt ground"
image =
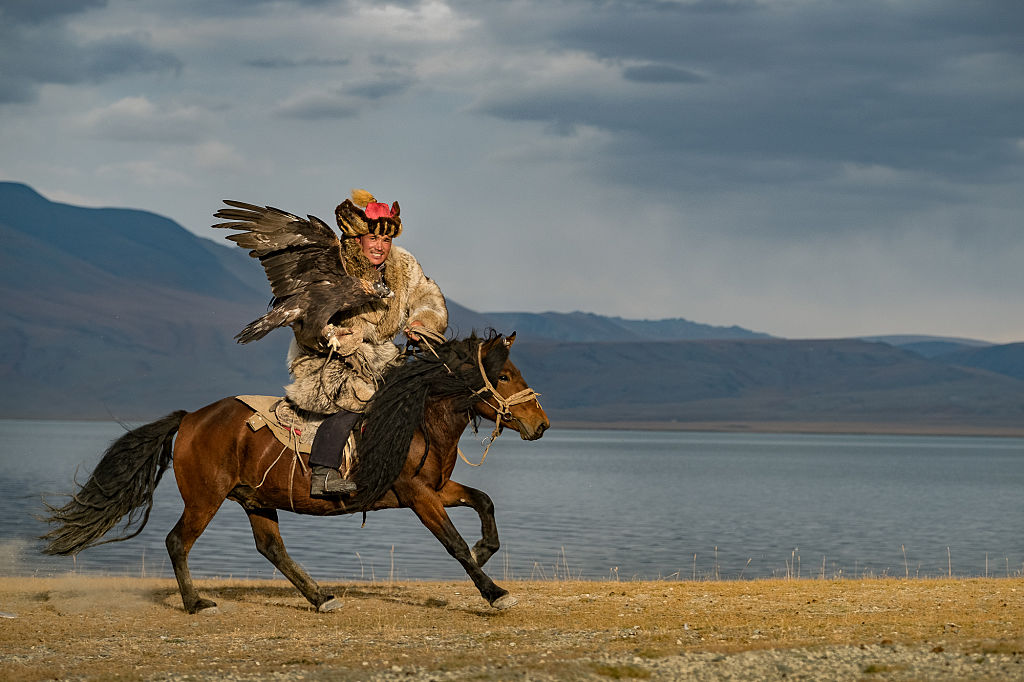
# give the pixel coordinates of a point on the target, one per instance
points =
(107, 628)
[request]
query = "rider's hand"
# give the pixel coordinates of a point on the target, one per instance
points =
(410, 334)
(335, 336)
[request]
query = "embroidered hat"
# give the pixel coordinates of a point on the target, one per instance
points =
(362, 214)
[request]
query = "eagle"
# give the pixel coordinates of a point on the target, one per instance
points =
(302, 258)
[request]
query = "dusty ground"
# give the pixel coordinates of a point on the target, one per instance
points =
(886, 629)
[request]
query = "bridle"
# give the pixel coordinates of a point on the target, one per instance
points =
(503, 410)
(487, 393)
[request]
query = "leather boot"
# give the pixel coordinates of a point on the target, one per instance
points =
(328, 482)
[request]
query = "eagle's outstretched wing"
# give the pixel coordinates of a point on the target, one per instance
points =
(302, 259)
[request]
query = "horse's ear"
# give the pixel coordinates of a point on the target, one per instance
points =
(510, 339)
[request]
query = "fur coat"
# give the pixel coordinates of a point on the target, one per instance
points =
(325, 382)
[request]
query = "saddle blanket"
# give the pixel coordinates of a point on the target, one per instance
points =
(275, 413)
(288, 427)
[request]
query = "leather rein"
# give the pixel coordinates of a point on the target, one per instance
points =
(503, 408)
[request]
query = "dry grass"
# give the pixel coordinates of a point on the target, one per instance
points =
(124, 628)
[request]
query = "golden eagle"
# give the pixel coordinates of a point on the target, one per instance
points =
(303, 261)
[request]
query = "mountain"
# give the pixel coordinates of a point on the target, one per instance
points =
(122, 313)
(806, 382)
(929, 346)
(1007, 359)
(586, 327)
(119, 313)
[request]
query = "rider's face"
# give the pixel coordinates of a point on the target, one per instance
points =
(375, 247)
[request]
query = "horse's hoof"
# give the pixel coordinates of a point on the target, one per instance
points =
(503, 602)
(331, 604)
(203, 606)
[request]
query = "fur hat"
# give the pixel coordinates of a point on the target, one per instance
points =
(362, 214)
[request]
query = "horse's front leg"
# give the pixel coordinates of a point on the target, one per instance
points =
(457, 495)
(426, 503)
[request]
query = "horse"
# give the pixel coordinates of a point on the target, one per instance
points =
(407, 446)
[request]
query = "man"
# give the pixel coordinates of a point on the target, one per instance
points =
(336, 370)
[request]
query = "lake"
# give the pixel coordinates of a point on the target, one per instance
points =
(597, 505)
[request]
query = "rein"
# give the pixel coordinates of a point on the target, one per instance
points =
(503, 409)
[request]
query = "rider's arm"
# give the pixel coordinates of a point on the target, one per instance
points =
(426, 302)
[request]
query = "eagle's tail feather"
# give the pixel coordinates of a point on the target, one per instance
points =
(258, 328)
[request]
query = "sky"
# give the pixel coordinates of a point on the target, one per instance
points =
(804, 168)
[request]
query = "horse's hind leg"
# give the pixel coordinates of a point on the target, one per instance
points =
(190, 526)
(266, 531)
(457, 495)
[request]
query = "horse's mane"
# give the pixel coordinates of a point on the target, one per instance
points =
(397, 408)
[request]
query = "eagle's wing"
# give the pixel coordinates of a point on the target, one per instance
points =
(302, 260)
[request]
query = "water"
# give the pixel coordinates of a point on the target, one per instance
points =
(599, 504)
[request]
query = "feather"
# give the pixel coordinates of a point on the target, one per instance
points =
(360, 197)
(302, 260)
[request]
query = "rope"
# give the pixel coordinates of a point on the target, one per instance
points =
(503, 410)
(294, 438)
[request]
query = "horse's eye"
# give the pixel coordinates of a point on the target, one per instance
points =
(502, 377)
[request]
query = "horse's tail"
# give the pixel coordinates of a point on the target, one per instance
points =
(122, 483)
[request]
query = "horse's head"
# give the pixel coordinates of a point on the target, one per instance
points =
(506, 397)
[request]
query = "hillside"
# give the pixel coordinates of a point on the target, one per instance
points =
(117, 313)
(589, 327)
(120, 313)
(823, 382)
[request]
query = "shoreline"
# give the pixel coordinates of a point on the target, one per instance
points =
(801, 427)
(86, 627)
(718, 426)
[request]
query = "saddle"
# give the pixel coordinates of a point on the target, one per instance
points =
(292, 428)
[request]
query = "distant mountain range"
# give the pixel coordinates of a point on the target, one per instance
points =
(120, 313)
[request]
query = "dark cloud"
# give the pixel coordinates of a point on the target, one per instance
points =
(929, 86)
(231, 9)
(123, 55)
(40, 50)
(384, 86)
(39, 11)
(317, 107)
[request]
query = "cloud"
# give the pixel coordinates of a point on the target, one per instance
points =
(316, 106)
(811, 81)
(388, 85)
(37, 54)
(431, 21)
(789, 165)
(39, 11)
(220, 157)
(139, 119)
(660, 73)
(147, 173)
(37, 48)
(291, 63)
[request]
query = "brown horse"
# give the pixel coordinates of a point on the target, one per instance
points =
(407, 450)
